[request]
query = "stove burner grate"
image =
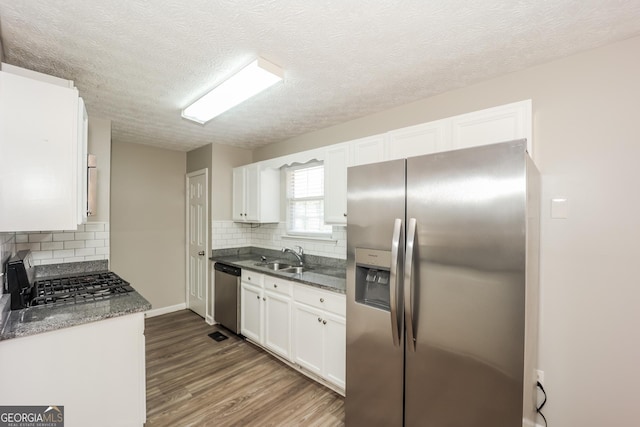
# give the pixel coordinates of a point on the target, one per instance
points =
(77, 289)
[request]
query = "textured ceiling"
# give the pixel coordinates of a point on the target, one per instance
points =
(140, 62)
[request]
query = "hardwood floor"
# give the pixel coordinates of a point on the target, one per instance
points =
(193, 380)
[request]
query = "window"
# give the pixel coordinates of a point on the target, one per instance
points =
(305, 201)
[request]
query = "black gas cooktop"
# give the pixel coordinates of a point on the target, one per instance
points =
(76, 289)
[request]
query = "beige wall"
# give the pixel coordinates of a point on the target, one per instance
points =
(586, 110)
(100, 146)
(220, 160)
(148, 221)
(199, 159)
(224, 159)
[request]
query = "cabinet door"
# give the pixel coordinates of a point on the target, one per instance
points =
(416, 140)
(251, 312)
(367, 150)
(83, 172)
(308, 331)
(334, 349)
(252, 193)
(238, 194)
(492, 125)
(38, 148)
(335, 184)
(277, 323)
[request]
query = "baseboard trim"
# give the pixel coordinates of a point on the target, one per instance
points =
(300, 369)
(165, 310)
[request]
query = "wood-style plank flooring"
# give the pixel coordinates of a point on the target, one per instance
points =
(193, 380)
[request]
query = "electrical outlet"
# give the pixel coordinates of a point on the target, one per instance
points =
(540, 375)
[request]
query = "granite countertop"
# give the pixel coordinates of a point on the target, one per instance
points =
(39, 319)
(321, 274)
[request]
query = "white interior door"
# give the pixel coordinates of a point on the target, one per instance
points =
(197, 230)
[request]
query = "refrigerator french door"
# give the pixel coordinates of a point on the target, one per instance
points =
(442, 289)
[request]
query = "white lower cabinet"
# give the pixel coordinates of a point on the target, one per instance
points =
(302, 324)
(319, 338)
(308, 338)
(96, 370)
(251, 312)
(265, 316)
(277, 316)
(335, 350)
(319, 333)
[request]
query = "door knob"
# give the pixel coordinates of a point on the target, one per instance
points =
(201, 253)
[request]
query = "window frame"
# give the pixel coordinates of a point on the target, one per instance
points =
(328, 229)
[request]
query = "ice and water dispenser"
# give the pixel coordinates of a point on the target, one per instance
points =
(372, 278)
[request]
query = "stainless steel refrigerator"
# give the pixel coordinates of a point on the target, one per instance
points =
(442, 289)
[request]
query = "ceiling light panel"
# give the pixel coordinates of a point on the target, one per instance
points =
(251, 80)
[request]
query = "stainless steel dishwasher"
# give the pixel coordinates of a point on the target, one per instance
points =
(227, 296)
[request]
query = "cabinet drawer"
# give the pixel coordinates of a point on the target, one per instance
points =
(278, 285)
(325, 300)
(252, 277)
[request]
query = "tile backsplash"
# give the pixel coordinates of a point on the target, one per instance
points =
(229, 234)
(7, 248)
(89, 242)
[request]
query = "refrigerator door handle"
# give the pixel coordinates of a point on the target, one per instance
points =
(408, 284)
(396, 324)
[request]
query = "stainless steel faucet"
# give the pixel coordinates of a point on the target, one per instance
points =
(299, 254)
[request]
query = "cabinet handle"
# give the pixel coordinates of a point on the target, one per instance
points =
(344, 214)
(324, 322)
(321, 299)
(248, 277)
(275, 285)
(258, 296)
(264, 299)
(319, 320)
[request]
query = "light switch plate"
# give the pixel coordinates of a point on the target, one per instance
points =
(559, 208)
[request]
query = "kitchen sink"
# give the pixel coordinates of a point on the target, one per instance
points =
(275, 265)
(295, 269)
(283, 267)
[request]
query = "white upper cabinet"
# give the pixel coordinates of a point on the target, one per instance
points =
(83, 184)
(337, 158)
(489, 126)
(367, 150)
(41, 147)
(503, 123)
(493, 125)
(417, 140)
(256, 194)
(336, 161)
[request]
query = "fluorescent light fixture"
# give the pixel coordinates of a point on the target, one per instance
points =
(251, 80)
